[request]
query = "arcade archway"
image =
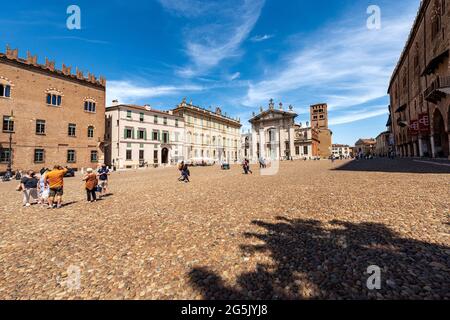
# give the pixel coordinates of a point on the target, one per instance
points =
(440, 135)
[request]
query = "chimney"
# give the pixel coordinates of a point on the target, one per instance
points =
(148, 107)
(170, 112)
(115, 103)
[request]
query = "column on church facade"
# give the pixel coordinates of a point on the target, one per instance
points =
(254, 149)
(262, 142)
(278, 139)
(292, 141)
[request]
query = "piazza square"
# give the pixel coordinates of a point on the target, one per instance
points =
(224, 159)
(308, 232)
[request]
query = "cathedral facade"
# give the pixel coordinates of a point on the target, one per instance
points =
(276, 136)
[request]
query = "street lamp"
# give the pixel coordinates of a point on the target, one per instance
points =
(10, 119)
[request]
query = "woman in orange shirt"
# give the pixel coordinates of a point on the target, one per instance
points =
(91, 183)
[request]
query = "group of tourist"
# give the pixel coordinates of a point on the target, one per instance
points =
(48, 188)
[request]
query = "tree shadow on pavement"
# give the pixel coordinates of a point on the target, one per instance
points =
(396, 166)
(313, 261)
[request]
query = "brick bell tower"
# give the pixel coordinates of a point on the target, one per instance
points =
(319, 120)
(319, 116)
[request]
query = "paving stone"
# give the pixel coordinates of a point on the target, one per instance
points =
(308, 232)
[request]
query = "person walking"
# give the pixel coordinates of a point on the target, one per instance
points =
(91, 183)
(244, 166)
(29, 188)
(55, 181)
(180, 168)
(103, 177)
(185, 174)
(247, 166)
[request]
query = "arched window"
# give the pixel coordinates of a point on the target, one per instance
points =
(90, 105)
(5, 88)
(90, 131)
(53, 97)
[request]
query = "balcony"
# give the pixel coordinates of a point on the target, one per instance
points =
(438, 90)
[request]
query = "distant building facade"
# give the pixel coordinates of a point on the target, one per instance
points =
(365, 146)
(341, 151)
(319, 121)
(209, 135)
(306, 142)
(420, 86)
(138, 136)
(382, 144)
(53, 116)
(246, 146)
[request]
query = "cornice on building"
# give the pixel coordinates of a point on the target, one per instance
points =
(202, 111)
(143, 109)
(272, 109)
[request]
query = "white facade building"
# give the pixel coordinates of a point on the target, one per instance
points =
(273, 133)
(209, 135)
(139, 137)
(341, 151)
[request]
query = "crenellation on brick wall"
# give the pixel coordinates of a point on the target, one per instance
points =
(50, 65)
(32, 59)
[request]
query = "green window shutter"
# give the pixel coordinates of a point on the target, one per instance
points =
(132, 133)
(124, 133)
(145, 134)
(159, 136)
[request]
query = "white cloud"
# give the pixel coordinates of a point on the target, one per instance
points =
(235, 76)
(187, 8)
(130, 92)
(218, 33)
(347, 65)
(259, 38)
(359, 115)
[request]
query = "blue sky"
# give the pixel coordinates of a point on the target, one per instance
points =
(236, 54)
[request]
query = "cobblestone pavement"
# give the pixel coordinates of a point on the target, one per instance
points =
(311, 231)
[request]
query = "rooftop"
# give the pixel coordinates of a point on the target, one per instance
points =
(271, 109)
(140, 108)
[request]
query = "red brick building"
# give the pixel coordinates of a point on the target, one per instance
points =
(57, 117)
(420, 86)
